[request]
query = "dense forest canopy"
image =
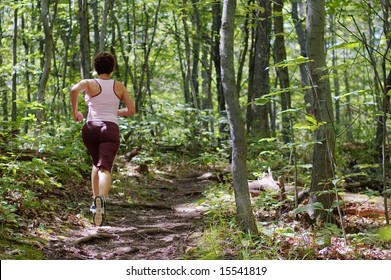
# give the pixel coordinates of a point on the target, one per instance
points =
(166, 55)
(295, 92)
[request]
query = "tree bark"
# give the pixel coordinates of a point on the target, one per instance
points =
(244, 51)
(85, 55)
(14, 62)
(386, 6)
(48, 41)
(282, 72)
(3, 91)
(187, 83)
(245, 216)
(216, 26)
(260, 83)
(196, 48)
(103, 28)
(323, 164)
(95, 24)
(308, 100)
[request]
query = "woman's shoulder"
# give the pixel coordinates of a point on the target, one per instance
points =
(119, 83)
(119, 88)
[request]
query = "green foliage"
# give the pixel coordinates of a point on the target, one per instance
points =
(385, 233)
(30, 174)
(267, 201)
(221, 238)
(19, 251)
(312, 124)
(173, 131)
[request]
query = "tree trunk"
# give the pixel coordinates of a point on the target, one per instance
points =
(349, 116)
(185, 81)
(250, 105)
(216, 26)
(67, 45)
(187, 68)
(260, 83)
(245, 216)
(308, 100)
(48, 41)
(335, 71)
(14, 62)
(196, 48)
(323, 164)
(95, 24)
(282, 72)
(3, 91)
(27, 73)
(85, 55)
(103, 28)
(244, 51)
(386, 5)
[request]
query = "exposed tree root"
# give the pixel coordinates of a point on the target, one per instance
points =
(93, 237)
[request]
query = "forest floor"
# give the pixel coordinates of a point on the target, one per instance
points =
(160, 215)
(147, 218)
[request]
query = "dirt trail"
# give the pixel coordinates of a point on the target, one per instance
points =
(162, 228)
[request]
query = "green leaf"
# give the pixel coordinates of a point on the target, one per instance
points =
(292, 62)
(261, 101)
(271, 139)
(348, 45)
(302, 126)
(311, 119)
(307, 208)
(311, 124)
(388, 191)
(385, 233)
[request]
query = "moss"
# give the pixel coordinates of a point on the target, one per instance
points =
(14, 251)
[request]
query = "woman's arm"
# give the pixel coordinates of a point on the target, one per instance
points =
(130, 108)
(76, 89)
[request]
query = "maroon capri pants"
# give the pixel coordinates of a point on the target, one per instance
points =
(102, 142)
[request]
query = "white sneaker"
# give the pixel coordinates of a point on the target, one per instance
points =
(100, 210)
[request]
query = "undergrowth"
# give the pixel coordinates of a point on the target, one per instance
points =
(288, 237)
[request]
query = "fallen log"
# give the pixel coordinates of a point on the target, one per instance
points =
(353, 203)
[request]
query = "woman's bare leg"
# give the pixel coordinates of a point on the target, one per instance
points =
(95, 181)
(104, 182)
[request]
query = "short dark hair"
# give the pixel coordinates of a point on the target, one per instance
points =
(104, 63)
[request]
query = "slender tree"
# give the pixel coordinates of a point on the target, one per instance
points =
(14, 62)
(95, 24)
(245, 215)
(323, 163)
(3, 91)
(386, 7)
(86, 71)
(244, 51)
(282, 72)
(48, 52)
(260, 82)
(103, 28)
(216, 26)
(298, 19)
(196, 49)
(188, 92)
(145, 71)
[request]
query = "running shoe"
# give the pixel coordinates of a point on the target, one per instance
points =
(100, 210)
(92, 207)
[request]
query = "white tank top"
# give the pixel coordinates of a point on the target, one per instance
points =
(104, 106)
